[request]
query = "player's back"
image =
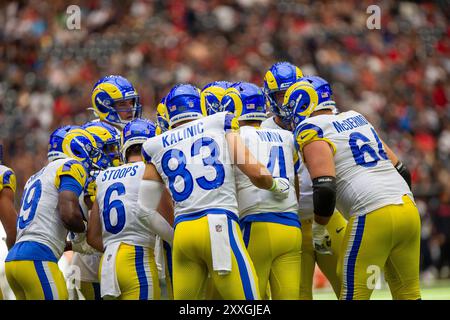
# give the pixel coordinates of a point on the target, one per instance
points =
(194, 162)
(117, 195)
(275, 148)
(39, 219)
(305, 201)
(366, 179)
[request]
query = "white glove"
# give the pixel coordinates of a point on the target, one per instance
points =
(321, 238)
(79, 243)
(280, 187)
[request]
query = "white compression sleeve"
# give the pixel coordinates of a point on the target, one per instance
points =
(148, 201)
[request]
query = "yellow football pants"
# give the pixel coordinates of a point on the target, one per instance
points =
(275, 250)
(386, 239)
(90, 290)
(192, 261)
(36, 280)
(137, 274)
(327, 263)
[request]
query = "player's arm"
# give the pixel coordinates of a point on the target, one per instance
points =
(70, 179)
(320, 163)
(318, 155)
(150, 194)
(8, 213)
(165, 207)
(94, 230)
(400, 166)
(297, 186)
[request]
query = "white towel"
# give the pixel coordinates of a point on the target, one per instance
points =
(220, 243)
(159, 258)
(109, 286)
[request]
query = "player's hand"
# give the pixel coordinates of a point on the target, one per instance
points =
(280, 187)
(79, 243)
(321, 238)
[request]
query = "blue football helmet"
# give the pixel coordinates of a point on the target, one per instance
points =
(302, 99)
(110, 90)
(323, 90)
(279, 78)
(81, 146)
(161, 117)
(55, 148)
(108, 142)
(183, 103)
(136, 132)
(212, 94)
(245, 100)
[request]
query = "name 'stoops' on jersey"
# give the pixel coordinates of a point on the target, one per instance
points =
(119, 173)
(117, 194)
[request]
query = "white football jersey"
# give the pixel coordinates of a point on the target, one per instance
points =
(39, 219)
(365, 177)
(117, 197)
(305, 202)
(195, 164)
(275, 149)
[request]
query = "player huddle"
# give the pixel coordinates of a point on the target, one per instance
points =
(228, 201)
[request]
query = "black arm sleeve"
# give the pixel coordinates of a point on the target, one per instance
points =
(324, 195)
(404, 172)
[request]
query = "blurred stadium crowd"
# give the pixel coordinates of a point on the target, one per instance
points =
(397, 76)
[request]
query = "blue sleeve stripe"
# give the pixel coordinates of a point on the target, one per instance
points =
(309, 126)
(69, 183)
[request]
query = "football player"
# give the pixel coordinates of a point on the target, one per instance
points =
(194, 159)
(124, 232)
(108, 142)
(271, 227)
(115, 101)
(50, 208)
(352, 168)
(276, 81)
(8, 214)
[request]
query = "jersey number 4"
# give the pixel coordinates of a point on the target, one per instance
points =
(360, 152)
(181, 171)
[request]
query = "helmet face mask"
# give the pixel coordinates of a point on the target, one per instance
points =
(279, 78)
(212, 95)
(300, 101)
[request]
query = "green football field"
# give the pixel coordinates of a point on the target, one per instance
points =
(438, 291)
